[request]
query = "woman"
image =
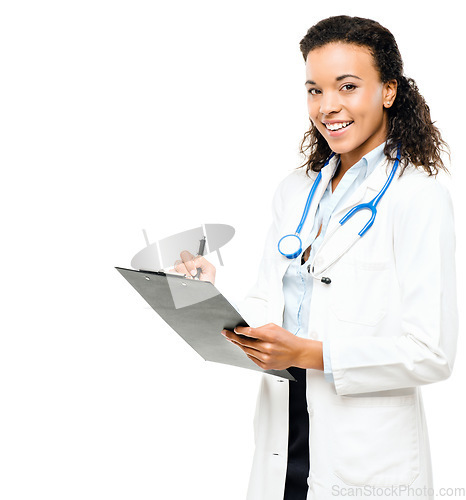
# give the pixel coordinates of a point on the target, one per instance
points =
(360, 321)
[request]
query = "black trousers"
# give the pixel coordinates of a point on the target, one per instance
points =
(297, 470)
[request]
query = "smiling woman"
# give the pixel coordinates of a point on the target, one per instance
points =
(370, 83)
(367, 314)
(347, 108)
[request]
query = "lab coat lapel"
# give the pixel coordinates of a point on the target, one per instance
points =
(327, 174)
(339, 239)
(293, 216)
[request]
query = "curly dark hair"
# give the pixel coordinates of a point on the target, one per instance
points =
(409, 121)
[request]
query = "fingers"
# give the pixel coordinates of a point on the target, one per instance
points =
(188, 265)
(254, 353)
(179, 267)
(254, 349)
(269, 346)
(241, 341)
(189, 262)
(247, 345)
(247, 331)
(258, 362)
(265, 332)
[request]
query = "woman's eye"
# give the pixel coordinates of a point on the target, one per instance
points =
(314, 91)
(348, 86)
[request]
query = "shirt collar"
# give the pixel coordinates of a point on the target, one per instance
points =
(373, 158)
(367, 163)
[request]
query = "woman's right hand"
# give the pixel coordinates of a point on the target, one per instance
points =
(189, 263)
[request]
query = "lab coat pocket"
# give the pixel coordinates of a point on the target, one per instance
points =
(376, 441)
(359, 292)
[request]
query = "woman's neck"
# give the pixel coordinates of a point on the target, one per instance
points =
(347, 160)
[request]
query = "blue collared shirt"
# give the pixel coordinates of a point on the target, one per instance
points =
(297, 281)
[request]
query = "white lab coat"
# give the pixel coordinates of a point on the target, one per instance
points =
(390, 315)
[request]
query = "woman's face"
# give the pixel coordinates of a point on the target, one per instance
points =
(346, 99)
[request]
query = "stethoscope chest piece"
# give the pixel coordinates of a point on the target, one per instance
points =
(290, 246)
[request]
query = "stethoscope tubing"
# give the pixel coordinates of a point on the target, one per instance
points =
(311, 196)
(371, 205)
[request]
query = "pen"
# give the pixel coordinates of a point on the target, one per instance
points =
(201, 253)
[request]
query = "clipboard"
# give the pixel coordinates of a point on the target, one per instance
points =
(197, 312)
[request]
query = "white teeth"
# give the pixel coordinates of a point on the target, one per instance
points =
(337, 126)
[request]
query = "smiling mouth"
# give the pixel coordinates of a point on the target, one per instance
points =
(336, 126)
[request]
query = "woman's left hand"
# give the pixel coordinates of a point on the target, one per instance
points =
(272, 347)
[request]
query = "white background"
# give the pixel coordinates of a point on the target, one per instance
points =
(118, 116)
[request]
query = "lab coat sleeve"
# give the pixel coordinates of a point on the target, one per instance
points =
(424, 350)
(327, 361)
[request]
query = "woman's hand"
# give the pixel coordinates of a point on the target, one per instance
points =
(188, 265)
(272, 347)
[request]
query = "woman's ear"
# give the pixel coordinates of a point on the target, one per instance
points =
(389, 93)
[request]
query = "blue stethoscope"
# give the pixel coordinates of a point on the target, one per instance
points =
(291, 245)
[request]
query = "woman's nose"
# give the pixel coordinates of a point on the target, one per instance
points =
(329, 103)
